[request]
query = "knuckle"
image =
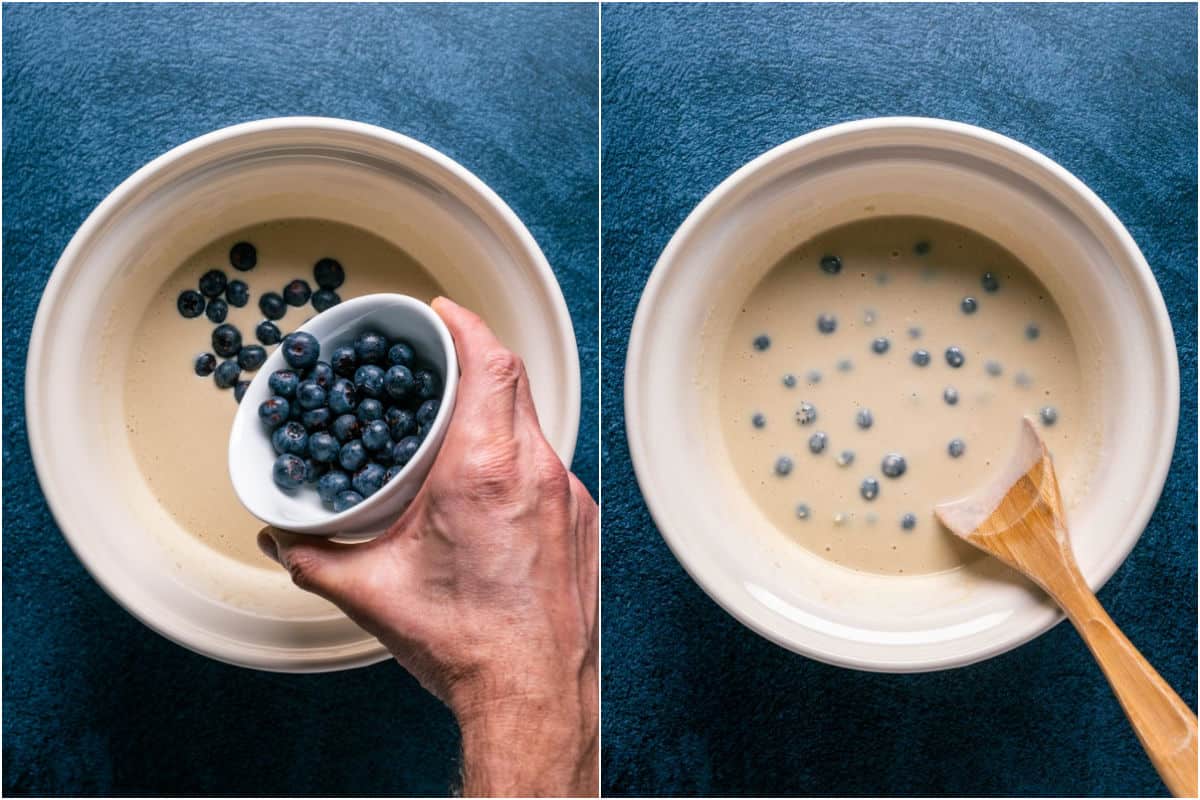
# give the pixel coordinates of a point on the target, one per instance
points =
(489, 470)
(302, 566)
(503, 366)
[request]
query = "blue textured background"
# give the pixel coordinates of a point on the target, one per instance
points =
(695, 703)
(94, 702)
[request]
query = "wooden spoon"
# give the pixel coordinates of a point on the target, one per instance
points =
(1019, 520)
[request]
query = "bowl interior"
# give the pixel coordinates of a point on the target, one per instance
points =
(949, 172)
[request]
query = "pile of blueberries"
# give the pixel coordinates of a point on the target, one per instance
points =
(217, 293)
(351, 424)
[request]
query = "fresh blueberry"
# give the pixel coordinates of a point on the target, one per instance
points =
(368, 480)
(826, 323)
(283, 382)
(216, 310)
(268, 332)
(908, 522)
(993, 368)
(429, 385)
(956, 448)
(226, 340)
(344, 361)
(969, 305)
(190, 303)
(845, 458)
(226, 374)
(323, 447)
(213, 283)
(762, 342)
(803, 511)
(316, 419)
(371, 347)
(391, 473)
(831, 264)
(880, 344)
(368, 379)
(789, 380)
(323, 300)
(243, 256)
(758, 420)
(817, 442)
(845, 365)
(272, 305)
(404, 450)
(1032, 331)
(309, 395)
(251, 357)
(237, 294)
(783, 465)
(297, 293)
(369, 410)
(376, 435)
(1049, 415)
(950, 395)
(806, 414)
(399, 382)
(332, 484)
(920, 358)
(301, 350)
(869, 489)
(401, 422)
(402, 353)
(288, 472)
(989, 282)
(274, 411)
(864, 418)
(205, 364)
(428, 411)
(290, 438)
(239, 390)
(346, 500)
(321, 374)
(352, 455)
(922, 248)
(343, 397)
(346, 428)
(329, 273)
(893, 465)
(955, 357)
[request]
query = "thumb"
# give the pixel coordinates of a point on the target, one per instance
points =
(315, 563)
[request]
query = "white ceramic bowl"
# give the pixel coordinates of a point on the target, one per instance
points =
(880, 167)
(251, 455)
(391, 186)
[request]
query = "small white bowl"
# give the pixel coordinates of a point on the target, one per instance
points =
(887, 167)
(251, 455)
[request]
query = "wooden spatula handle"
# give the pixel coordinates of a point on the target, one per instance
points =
(1163, 722)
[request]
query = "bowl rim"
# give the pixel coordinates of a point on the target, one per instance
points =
(161, 619)
(643, 326)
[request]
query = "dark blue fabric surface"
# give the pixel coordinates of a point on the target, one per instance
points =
(694, 702)
(94, 702)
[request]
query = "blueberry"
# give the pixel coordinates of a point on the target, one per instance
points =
(274, 411)
(290, 438)
(401, 422)
(205, 364)
(398, 381)
(955, 357)
(352, 455)
(369, 410)
(346, 500)
(323, 447)
(391, 473)
(368, 480)
(323, 300)
(402, 353)
(316, 419)
(313, 470)
(758, 421)
(762, 342)
(268, 332)
(213, 283)
(813, 376)
(831, 264)
(817, 442)
(993, 368)
(908, 522)
(369, 381)
(344, 361)
(803, 511)
(1032, 331)
(216, 310)
(343, 397)
(864, 418)
(806, 414)
(371, 347)
(309, 395)
(950, 395)
(845, 458)
(880, 344)
(404, 450)
(346, 428)
(869, 489)
(1049, 415)
(297, 293)
(429, 385)
(332, 484)
(251, 357)
(789, 380)
(956, 448)
(237, 294)
(272, 305)
(288, 472)
(920, 358)
(190, 303)
(239, 390)
(226, 374)
(243, 256)
(845, 365)
(989, 282)
(969, 305)
(226, 340)
(301, 350)
(329, 273)
(826, 323)
(922, 248)
(783, 465)
(428, 411)
(893, 465)
(376, 435)
(284, 382)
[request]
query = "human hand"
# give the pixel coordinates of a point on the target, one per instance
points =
(486, 589)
